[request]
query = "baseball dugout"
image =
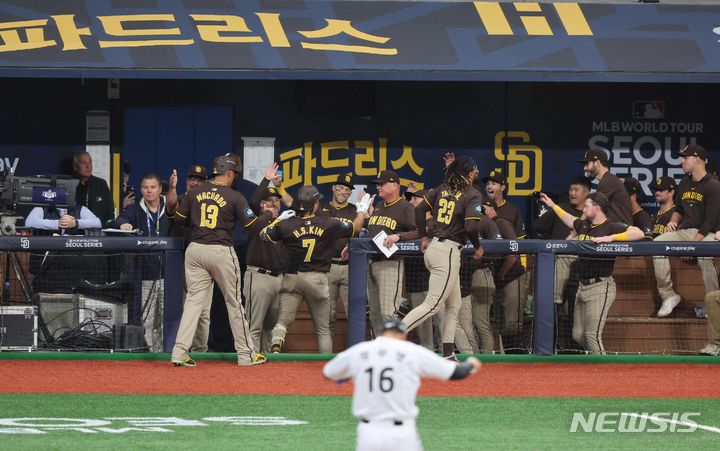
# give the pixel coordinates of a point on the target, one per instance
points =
(629, 300)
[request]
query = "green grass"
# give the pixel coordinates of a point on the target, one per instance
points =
(444, 423)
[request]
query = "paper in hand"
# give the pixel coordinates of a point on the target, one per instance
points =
(379, 241)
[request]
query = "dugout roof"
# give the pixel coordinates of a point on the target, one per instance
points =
(370, 40)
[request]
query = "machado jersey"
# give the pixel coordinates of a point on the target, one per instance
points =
(386, 374)
(212, 210)
(310, 241)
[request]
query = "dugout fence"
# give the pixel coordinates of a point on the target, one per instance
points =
(553, 271)
(94, 293)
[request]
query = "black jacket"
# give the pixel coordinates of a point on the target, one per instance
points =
(95, 195)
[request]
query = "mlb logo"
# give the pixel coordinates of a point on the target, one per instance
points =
(648, 109)
(49, 195)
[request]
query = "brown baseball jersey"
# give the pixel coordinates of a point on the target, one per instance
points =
(698, 203)
(590, 267)
(660, 220)
(213, 209)
(507, 231)
(397, 216)
(620, 209)
(508, 210)
(550, 227)
(262, 253)
(310, 241)
(641, 220)
(488, 231)
(456, 214)
(183, 230)
(347, 212)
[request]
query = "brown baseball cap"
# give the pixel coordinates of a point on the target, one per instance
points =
(386, 177)
(632, 186)
(663, 183)
(271, 192)
(693, 150)
(410, 194)
(197, 172)
(497, 176)
(346, 180)
(594, 155)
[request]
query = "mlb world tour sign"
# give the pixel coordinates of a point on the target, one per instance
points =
(354, 39)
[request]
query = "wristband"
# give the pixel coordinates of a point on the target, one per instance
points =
(559, 211)
(623, 236)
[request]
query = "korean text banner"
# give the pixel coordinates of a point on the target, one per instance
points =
(354, 39)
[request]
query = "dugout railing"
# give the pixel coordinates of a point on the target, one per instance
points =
(637, 300)
(21, 257)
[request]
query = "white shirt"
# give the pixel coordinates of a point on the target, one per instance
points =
(35, 220)
(386, 372)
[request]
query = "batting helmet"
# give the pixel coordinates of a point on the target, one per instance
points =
(222, 164)
(394, 324)
(306, 198)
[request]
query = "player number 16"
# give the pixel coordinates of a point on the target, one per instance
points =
(385, 382)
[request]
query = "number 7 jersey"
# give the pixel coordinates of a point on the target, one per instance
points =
(310, 241)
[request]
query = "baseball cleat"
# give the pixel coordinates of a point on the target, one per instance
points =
(276, 348)
(184, 362)
(668, 305)
(259, 359)
(710, 349)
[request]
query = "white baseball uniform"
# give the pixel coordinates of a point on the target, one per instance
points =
(386, 374)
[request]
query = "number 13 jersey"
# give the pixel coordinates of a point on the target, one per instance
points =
(213, 210)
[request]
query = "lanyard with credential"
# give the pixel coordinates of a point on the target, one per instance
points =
(155, 220)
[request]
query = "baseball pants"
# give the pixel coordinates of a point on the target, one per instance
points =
(338, 284)
(712, 307)
(513, 297)
(592, 305)
(442, 259)
(562, 274)
(262, 298)
(425, 329)
(482, 291)
(465, 338)
(384, 290)
(200, 341)
(203, 264)
(313, 287)
(662, 264)
(385, 435)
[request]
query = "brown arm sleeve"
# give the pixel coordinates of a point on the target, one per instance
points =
(257, 195)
